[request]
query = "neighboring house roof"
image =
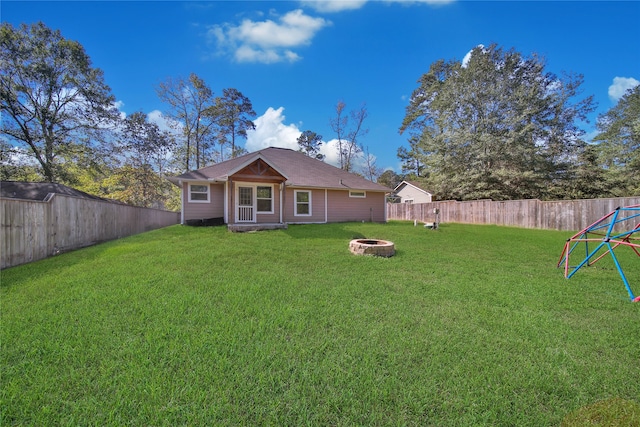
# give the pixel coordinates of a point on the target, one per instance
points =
(299, 170)
(40, 190)
(414, 184)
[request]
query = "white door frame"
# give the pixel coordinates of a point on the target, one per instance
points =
(246, 212)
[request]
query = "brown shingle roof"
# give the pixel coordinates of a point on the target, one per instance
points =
(300, 170)
(40, 190)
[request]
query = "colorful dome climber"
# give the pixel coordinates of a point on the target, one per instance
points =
(620, 228)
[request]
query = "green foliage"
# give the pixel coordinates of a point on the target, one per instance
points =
(498, 126)
(137, 186)
(619, 144)
(389, 179)
(188, 100)
(309, 143)
(53, 102)
(465, 325)
(232, 114)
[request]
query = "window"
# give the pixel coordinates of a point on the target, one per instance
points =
(303, 203)
(359, 194)
(199, 193)
(409, 201)
(264, 197)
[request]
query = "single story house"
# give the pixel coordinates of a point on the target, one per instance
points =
(274, 187)
(411, 192)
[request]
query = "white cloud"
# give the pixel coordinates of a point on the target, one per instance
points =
(268, 41)
(334, 5)
(330, 152)
(119, 105)
(164, 123)
(341, 5)
(272, 132)
(467, 57)
(620, 86)
(430, 2)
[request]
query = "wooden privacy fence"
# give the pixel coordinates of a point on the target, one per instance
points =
(569, 215)
(33, 230)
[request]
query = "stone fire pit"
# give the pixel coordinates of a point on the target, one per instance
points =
(372, 247)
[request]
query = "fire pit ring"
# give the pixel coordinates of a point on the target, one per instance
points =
(375, 247)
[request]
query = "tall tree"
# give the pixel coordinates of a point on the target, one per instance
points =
(143, 143)
(338, 125)
(188, 100)
(498, 126)
(587, 179)
(146, 149)
(309, 143)
(619, 144)
(389, 179)
(53, 102)
(411, 159)
(136, 175)
(349, 146)
(370, 168)
(16, 164)
(232, 113)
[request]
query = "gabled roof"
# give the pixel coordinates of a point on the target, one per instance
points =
(413, 184)
(40, 190)
(299, 169)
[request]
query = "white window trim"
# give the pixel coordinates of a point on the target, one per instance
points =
(206, 184)
(364, 194)
(271, 212)
(295, 202)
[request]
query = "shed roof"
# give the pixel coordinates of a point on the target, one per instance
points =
(40, 190)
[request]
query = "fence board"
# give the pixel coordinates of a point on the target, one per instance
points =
(33, 230)
(568, 215)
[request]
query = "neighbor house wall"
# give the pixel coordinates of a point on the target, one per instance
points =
(415, 195)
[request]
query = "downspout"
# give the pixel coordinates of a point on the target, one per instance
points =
(281, 201)
(182, 196)
(384, 199)
(326, 205)
(226, 202)
(231, 202)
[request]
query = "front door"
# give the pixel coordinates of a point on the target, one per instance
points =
(246, 209)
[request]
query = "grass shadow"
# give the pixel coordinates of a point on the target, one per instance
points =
(609, 412)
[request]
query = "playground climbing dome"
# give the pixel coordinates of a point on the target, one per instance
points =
(613, 232)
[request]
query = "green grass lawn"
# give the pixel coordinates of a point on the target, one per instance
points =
(464, 326)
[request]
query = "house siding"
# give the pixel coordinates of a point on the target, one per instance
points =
(213, 209)
(326, 206)
(343, 208)
(317, 206)
(329, 187)
(266, 218)
(261, 218)
(411, 193)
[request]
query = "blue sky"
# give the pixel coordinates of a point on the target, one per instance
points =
(296, 59)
